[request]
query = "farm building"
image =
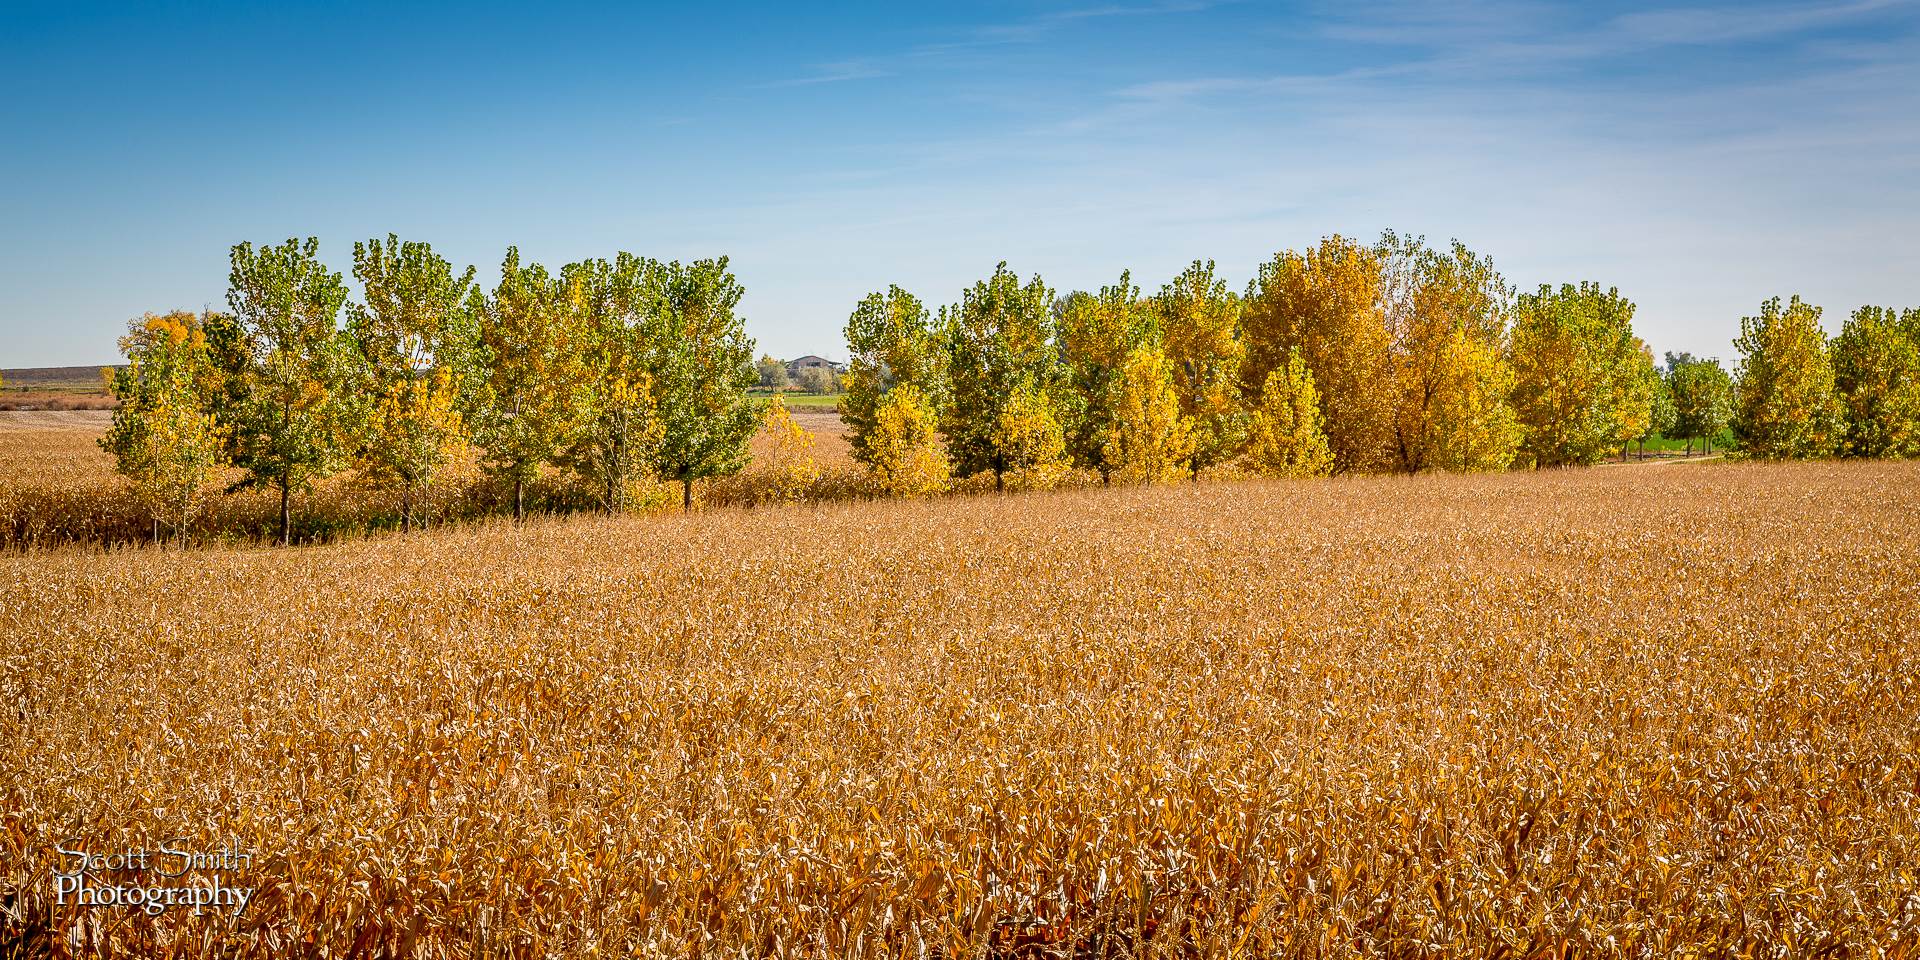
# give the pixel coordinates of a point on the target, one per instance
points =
(811, 362)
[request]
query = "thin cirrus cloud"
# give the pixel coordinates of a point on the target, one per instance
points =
(983, 37)
(1700, 156)
(836, 72)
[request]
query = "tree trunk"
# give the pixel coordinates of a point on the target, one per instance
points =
(1106, 476)
(686, 495)
(1689, 446)
(519, 500)
(999, 481)
(156, 529)
(286, 514)
(406, 510)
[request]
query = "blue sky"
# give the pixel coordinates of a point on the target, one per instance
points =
(1700, 158)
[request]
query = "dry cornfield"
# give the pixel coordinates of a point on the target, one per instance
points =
(1645, 712)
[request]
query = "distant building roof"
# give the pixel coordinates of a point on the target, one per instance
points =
(810, 361)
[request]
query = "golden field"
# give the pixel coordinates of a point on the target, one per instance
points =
(1645, 711)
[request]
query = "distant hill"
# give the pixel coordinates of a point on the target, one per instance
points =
(54, 388)
(59, 379)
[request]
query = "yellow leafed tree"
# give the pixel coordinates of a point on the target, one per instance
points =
(1876, 372)
(1446, 313)
(1325, 304)
(1029, 437)
(414, 434)
(791, 466)
(905, 457)
(1784, 404)
(1199, 323)
(1150, 441)
(1287, 439)
(1473, 426)
(164, 439)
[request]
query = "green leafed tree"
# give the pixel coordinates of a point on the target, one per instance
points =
(531, 335)
(1097, 333)
(1702, 397)
(164, 438)
(412, 339)
(1784, 403)
(288, 370)
(702, 366)
(620, 429)
(773, 373)
(1001, 369)
(891, 343)
(1876, 369)
(1663, 417)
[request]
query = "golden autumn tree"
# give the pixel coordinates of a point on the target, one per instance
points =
(1325, 303)
(1151, 441)
(1784, 404)
(790, 464)
(409, 335)
(1286, 438)
(905, 455)
(1876, 371)
(412, 434)
(164, 439)
(1198, 321)
(1446, 314)
(1029, 442)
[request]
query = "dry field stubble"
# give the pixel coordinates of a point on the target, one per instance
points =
(1621, 712)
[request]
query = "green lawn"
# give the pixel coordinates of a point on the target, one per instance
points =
(801, 401)
(1722, 441)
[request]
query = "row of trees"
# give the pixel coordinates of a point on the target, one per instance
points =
(1343, 357)
(1802, 395)
(816, 380)
(616, 370)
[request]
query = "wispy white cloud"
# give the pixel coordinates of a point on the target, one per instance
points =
(1497, 33)
(986, 37)
(836, 72)
(1734, 24)
(1036, 28)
